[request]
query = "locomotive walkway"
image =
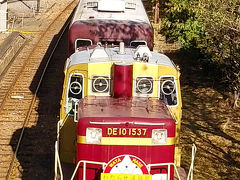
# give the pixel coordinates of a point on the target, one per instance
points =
(20, 96)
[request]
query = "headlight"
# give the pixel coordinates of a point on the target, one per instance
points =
(75, 86)
(144, 85)
(93, 135)
(100, 84)
(168, 90)
(168, 87)
(159, 136)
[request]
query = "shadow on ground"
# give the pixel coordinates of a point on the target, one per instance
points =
(36, 153)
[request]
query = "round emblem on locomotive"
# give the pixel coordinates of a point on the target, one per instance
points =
(126, 164)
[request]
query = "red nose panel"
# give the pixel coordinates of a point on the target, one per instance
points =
(122, 85)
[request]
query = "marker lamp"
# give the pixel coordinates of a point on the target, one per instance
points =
(93, 135)
(159, 136)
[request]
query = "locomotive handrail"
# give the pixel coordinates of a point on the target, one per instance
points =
(165, 164)
(104, 164)
(148, 124)
(63, 121)
(57, 163)
(57, 159)
(75, 117)
(189, 177)
(173, 115)
(58, 130)
(84, 167)
(190, 173)
(135, 123)
(105, 123)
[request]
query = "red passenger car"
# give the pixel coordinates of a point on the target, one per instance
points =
(105, 22)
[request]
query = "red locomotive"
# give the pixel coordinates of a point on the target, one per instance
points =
(120, 115)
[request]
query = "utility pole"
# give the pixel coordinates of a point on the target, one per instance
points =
(156, 14)
(38, 6)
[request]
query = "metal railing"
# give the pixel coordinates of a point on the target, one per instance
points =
(165, 164)
(84, 167)
(103, 164)
(190, 172)
(57, 163)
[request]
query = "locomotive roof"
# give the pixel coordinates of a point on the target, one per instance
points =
(96, 106)
(101, 54)
(110, 10)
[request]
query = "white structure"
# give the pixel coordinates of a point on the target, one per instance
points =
(3, 16)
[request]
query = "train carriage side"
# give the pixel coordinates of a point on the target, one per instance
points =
(100, 22)
(128, 99)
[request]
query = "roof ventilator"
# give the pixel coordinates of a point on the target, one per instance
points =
(99, 52)
(106, 5)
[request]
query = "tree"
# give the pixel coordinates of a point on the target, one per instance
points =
(212, 26)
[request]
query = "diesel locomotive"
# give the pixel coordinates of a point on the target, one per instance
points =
(120, 114)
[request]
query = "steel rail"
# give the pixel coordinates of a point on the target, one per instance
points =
(38, 86)
(14, 57)
(16, 77)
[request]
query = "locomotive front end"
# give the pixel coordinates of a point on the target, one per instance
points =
(125, 137)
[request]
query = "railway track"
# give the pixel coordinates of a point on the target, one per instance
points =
(29, 105)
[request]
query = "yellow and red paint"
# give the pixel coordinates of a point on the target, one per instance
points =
(118, 137)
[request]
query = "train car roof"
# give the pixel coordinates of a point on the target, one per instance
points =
(101, 54)
(110, 10)
(97, 106)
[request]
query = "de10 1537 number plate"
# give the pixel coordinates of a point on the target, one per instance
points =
(126, 132)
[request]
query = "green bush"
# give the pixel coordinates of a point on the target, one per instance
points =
(212, 26)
